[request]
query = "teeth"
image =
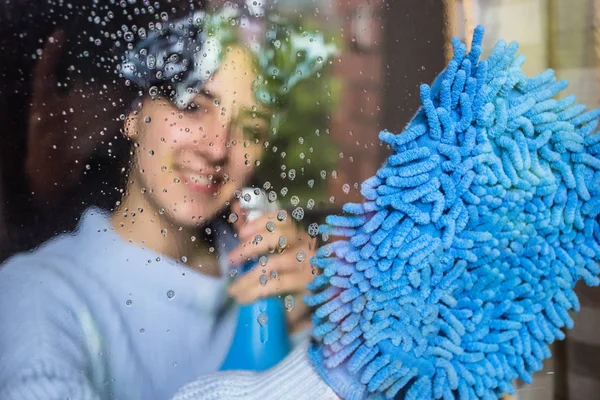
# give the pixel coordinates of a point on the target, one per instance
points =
(199, 179)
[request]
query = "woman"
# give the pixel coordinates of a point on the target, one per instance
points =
(133, 305)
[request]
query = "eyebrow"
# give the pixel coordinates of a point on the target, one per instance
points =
(255, 115)
(244, 113)
(206, 93)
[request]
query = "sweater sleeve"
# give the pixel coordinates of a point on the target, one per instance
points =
(293, 378)
(44, 354)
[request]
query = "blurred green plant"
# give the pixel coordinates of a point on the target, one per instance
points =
(300, 149)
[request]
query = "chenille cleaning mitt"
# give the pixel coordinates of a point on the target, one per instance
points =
(457, 270)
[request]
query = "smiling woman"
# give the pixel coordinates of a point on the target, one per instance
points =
(138, 291)
(189, 162)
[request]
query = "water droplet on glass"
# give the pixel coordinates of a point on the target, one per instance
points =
(193, 238)
(263, 279)
(346, 188)
(129, 303)
(163, 231)
(142, 330)
(170, 294)
(233, 217)
(263, 260)
(310, 204)
(282, 215)
(147, 120)
(298, 213)
(184, 259)
(311, 183)
(270, 226)
(233, 272)
(313, 229)
(294, 200)
(272, 196)
(262, 319)
(301, 255)
(282, 242)
(289, 302)
(176, 180)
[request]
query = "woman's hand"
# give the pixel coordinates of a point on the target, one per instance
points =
(287, 249)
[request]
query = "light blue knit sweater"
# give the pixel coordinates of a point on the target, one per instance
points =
(89, 316)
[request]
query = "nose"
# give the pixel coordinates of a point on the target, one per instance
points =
(216, 137)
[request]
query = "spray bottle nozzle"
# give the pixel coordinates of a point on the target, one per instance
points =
(255, 202)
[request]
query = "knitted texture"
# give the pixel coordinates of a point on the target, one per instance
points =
(293, 378)
(456, 272)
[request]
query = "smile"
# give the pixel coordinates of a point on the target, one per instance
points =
(201, 183)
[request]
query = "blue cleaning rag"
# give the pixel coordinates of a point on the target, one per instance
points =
(452, 277)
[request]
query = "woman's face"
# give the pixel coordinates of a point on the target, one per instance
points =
(188, 163)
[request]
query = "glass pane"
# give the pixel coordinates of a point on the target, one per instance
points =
(167, 169)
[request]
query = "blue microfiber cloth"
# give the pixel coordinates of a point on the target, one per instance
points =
(458, 269)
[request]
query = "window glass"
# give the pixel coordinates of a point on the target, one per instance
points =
(139, 138)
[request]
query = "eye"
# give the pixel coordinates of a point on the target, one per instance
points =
(253, 132)
(193, 108)
(199, 105)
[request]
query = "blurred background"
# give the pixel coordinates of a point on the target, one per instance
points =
(324, 149)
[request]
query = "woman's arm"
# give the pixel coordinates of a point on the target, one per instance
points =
(42, 353)
(293, 378)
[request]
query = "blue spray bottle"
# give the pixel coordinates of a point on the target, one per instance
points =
(260, 340)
